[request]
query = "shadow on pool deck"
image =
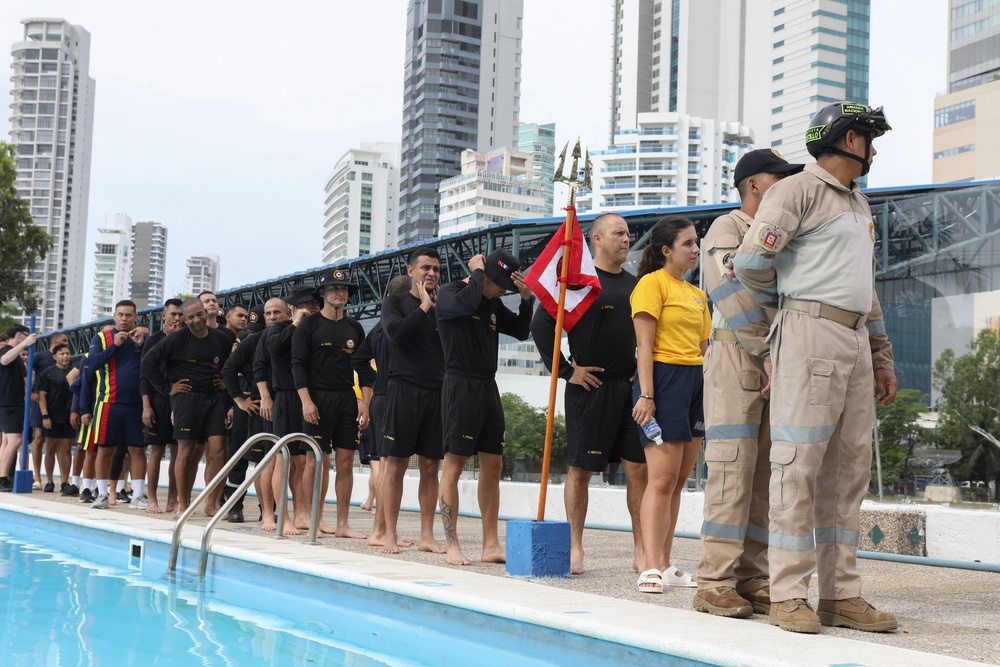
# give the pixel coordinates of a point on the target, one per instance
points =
(943, 611)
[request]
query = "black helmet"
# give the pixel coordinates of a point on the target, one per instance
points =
(834, 120)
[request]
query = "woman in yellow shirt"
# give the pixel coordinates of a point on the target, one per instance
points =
(672, 326)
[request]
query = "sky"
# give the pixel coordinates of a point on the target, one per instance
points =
(223, 119)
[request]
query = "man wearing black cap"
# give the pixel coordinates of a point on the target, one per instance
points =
(470, 319)
(732, 576)
(279, 401)
(321, 368)
(237, 374)
(193, 357)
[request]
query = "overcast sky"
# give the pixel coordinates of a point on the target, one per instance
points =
(222, 119)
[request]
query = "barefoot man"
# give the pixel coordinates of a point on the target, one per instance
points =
(470, 319)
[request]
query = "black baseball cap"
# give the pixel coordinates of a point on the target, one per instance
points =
(499, 265)
(337, 277)
(255, 322)
(301, 295)
(763, 160)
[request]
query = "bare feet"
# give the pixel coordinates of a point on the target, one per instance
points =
(267, 523)
(576, 560)
(454, 556)
(290, 530)
(350, 533)
(153, 508)
(179, 510)
(494, 555)
(368, 505)
(390, 547)
(171, 507)
(324, 527)
(379, 541)
(430, 545)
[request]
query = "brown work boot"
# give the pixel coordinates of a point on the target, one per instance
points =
(855, 613)
(760, 599)
(795, 616)
(722, 601)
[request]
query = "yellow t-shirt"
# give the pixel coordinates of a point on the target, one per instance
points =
(681, 313)
(357, 387)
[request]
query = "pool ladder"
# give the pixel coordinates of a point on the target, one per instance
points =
(280, 445)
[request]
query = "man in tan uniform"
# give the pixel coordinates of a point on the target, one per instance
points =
(810, 251)
(732, 575)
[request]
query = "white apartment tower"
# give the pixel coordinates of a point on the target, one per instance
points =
(461, 90)
(769, 64)
(112, 267)
(670, 159)
(149, 263)
(202, 274)
(493, 188)
(52, 127)
(360, 209)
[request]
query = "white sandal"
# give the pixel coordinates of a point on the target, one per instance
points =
(651, 581)
(682, 580)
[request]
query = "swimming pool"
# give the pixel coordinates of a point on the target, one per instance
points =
(73, 594)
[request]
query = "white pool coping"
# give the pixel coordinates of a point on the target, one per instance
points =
(675, 632)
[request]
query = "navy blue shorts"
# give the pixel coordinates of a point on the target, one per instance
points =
(35, 415)
(118, 424)
(678, 392)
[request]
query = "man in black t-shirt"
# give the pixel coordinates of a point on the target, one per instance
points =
(188, 364)
(599, 424)
(470, 318)
(54, 400)
(42, 360)
(12, 372)
(322, 346)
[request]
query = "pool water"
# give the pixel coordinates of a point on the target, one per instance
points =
(74, 594)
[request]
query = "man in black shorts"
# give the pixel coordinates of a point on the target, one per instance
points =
(322, 346)
(113, 362)
(54, 400)
(12, 372)
(412, 423)
(42, 360)
(158, 430)
(190, 361)
(470, 318)
(599, 424)
(280, 402)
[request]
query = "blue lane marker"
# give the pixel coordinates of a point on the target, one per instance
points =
(438, 584)
(576, 612)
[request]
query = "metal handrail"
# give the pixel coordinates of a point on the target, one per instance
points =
(280, 445)
(282, 503)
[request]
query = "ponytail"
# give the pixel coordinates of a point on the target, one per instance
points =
(663, 233)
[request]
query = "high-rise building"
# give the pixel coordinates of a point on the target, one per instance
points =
(966, 141)
(149, 263)
(360, 209)
(670, 159)
(202, 274)
(461, 89)
(112, 267)
(539, 141)
(494, 187)
(52, 126)
(768, 64)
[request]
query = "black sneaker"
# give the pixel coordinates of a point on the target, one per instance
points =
(86, 496)
(49, 488)
(123, 496)
(71, 490)
(235, 516)
(6, 486)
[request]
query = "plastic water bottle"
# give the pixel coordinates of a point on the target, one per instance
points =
(652, 431)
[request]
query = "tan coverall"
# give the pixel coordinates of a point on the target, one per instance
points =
(810, 249)
(738, 439)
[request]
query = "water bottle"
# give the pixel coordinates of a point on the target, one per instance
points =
(652, 431)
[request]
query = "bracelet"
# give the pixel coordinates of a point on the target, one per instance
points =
(645, 396)
(45, 416)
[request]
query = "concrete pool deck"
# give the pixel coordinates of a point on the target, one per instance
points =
(947, 616)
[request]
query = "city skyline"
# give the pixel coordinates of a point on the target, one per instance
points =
(201, 141)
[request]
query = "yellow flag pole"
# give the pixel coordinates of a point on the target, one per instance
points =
(573, 181)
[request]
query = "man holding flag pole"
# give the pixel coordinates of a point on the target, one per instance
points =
(598, 398)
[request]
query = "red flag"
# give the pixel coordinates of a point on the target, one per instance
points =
(583, 285)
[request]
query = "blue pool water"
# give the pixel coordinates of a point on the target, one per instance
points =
(72, 595)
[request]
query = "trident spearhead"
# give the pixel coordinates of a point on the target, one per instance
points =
(573, 178)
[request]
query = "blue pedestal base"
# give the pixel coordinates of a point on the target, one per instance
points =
(538, 549)
(23, 479)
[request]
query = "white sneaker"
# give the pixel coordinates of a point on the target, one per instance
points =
(101, 503)
(139, 503)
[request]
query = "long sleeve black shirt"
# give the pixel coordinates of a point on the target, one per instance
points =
(277, 356)
(237, 372)
(470, 326)
(183, 355)
(603, 337)
(145, 387)
(321, 352)
(417, 357)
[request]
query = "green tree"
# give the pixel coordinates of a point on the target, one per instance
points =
(22, 243)
(969, 406)
(526, 433)
(899, 434)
